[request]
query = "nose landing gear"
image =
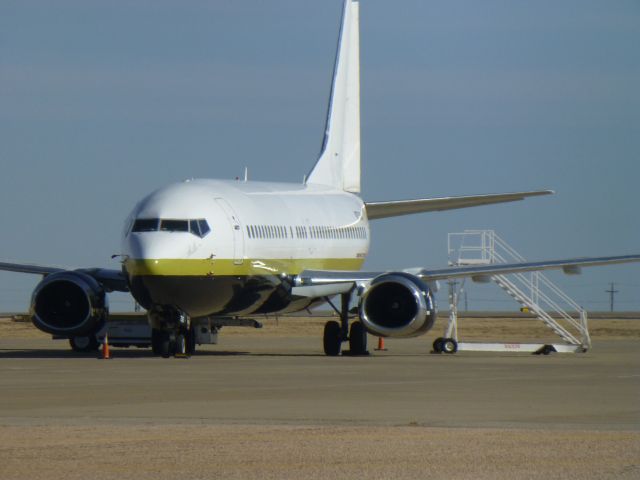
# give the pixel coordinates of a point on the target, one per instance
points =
(171, 344)
(172, 335)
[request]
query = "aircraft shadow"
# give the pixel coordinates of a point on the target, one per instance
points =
(126, 353)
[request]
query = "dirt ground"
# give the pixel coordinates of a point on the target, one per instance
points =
(312, 452)
(472, 328)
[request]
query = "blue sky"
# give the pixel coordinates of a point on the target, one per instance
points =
(102, 102)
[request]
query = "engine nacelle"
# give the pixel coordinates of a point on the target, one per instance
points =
(69, 304)
(397, 305)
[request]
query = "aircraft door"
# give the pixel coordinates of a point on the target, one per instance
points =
(236, 227)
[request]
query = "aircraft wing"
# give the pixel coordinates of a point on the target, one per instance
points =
(397, 208)
(112, 280)
(30, 268)
(479, 273)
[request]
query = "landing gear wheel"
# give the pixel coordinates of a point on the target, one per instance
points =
(332, 338)
(156, 341)
(181, 346)
(358, 339)
(191, 341)
(449, 345)
(84, 344)
(437, 345)
(167, 347)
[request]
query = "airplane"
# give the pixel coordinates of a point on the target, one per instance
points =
(212, 252)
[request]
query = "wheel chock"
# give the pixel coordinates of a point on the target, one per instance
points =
(545, 350)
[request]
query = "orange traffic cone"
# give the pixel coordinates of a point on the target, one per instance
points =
(381, 344)
(105, 348)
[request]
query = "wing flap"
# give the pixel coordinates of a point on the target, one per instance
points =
(397, 208)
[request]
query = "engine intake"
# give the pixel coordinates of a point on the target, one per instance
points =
(397, 305)
(69, 304)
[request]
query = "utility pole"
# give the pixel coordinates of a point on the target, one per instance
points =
(611, 293)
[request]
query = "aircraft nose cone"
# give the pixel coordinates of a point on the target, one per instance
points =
(144, 267)
(152, 253)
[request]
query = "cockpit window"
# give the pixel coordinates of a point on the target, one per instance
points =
(198, 227)
(204, 227)
(145, 225)
(174, 225)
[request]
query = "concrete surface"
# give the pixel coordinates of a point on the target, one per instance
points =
(274, 407)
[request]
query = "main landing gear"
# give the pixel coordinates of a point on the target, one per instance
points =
(337, 332)
(445, 345)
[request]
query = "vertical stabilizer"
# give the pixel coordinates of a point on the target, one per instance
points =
(339, 162)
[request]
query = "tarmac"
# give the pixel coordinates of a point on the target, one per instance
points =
(275, 407)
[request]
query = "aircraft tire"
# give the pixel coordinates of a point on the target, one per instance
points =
(156, 341)
(358, 339)
(332, 338)
(449, 345)
(437, 345)
(84, 344)
(167, 347)
(181, 345)
(191, 341)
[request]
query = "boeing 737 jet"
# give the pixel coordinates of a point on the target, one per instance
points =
(201, 254)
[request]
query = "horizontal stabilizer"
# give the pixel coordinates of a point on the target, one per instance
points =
(397, 208)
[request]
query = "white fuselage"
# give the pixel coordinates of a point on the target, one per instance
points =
(261, 234)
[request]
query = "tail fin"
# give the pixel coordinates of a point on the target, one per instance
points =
(339, 162)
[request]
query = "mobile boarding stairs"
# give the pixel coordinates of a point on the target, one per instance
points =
(532, 290)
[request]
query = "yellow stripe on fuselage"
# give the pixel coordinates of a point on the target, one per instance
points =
(248, 267)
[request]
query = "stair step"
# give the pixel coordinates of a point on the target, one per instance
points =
(525, 287)
(549, 321)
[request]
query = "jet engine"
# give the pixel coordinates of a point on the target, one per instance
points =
(69, 304)
(397, 305)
